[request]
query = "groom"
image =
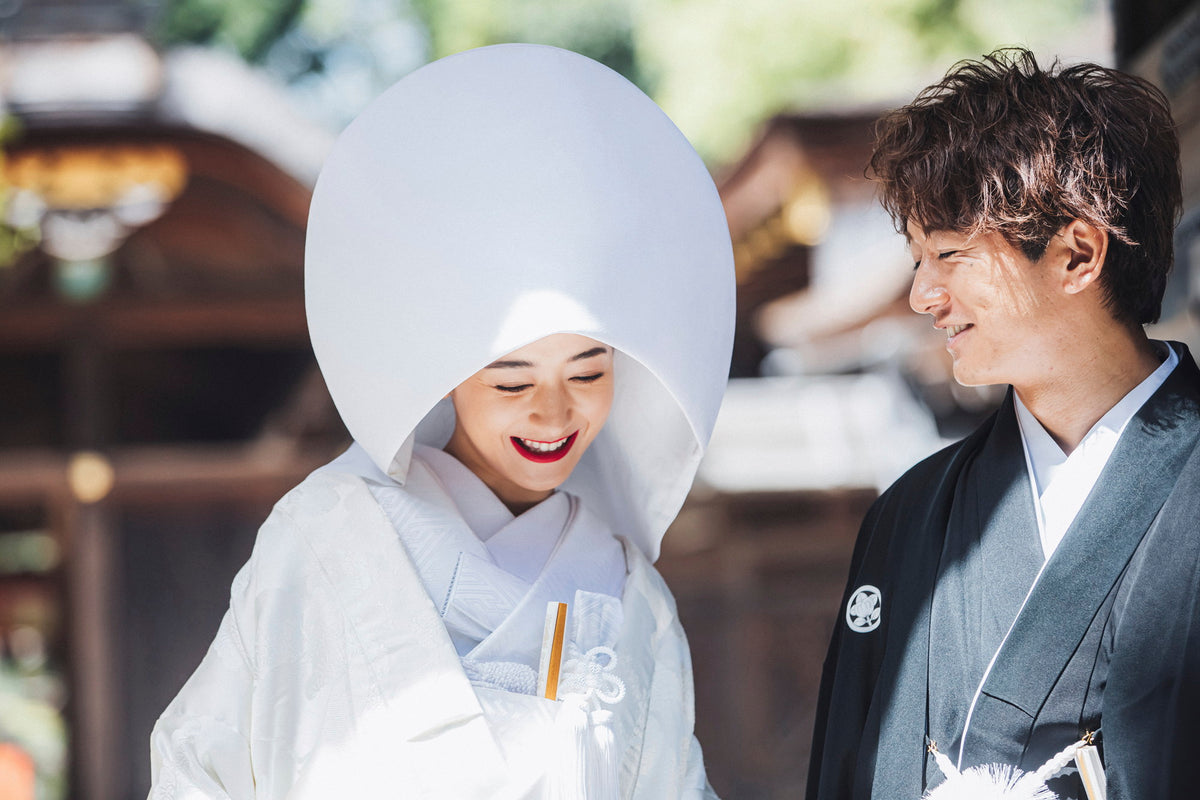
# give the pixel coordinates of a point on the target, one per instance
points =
(1040, 580)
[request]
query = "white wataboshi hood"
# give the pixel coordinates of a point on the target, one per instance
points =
(495, 197)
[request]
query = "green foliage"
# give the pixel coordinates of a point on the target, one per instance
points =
(599, 29)
(718, 67)
(16, 236)
(249, 28)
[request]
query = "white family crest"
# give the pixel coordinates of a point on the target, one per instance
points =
(863, 610)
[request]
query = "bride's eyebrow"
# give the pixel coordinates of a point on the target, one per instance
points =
(518, 364)
(595, 351)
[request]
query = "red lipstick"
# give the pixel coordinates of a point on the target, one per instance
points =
(543, 458)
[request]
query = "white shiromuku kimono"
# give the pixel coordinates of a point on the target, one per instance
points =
(385, 637)
(332, 609)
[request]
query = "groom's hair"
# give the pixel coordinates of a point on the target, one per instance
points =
(1000, 144)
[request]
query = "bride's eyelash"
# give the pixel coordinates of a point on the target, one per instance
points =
(520, 387)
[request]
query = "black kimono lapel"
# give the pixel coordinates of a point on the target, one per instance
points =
(1082, 572)
(990, 558)
(872, 710)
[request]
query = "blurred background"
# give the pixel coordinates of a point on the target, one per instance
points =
(158, 393)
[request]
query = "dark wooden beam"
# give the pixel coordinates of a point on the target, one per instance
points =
(164, 474)
(179, 474)
(154, 325)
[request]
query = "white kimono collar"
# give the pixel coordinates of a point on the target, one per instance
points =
(492, 596)
(430, 697)
(518, 545)
(483, 512)
(1061, 483)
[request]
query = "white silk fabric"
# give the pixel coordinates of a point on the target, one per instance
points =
(485, 201)
(332, 675)
(491, 575)
(495, 197)
(492, 585)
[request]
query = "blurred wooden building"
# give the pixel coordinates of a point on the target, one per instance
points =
(851, 388)
(155, 377)
(815, 420)
(158, 394)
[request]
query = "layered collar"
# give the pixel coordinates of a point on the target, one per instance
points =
(1130, 496)
(1139, 478)
(520, 545)
(489, 573)
(1060, 482)
(418, 688)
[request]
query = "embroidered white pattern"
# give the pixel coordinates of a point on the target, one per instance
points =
(505, 675)
(864, 610)
(591, 675)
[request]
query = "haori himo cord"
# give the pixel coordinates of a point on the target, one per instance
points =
(519, 287)
(1023, 610)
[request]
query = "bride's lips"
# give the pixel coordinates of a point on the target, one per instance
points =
(526, 447)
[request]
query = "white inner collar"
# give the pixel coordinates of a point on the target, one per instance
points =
(1062, 483)
(480, 508)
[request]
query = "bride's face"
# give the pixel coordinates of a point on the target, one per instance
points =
(524, 421)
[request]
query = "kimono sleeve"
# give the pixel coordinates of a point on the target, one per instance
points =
(200, 746)
(671, 763)
(836, 732)
(1149, 733)
(695, 782)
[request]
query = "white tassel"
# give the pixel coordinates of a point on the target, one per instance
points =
(991, 782)
(603, 783)
(566, 776)
(585, 766)
(1001, 781)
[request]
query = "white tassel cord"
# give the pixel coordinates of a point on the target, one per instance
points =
(943, 761)
(991, 782)
(603, 783)
(1061, 762)
(584, 762)
(567, 772)
(1000, 781)
(584, 766)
